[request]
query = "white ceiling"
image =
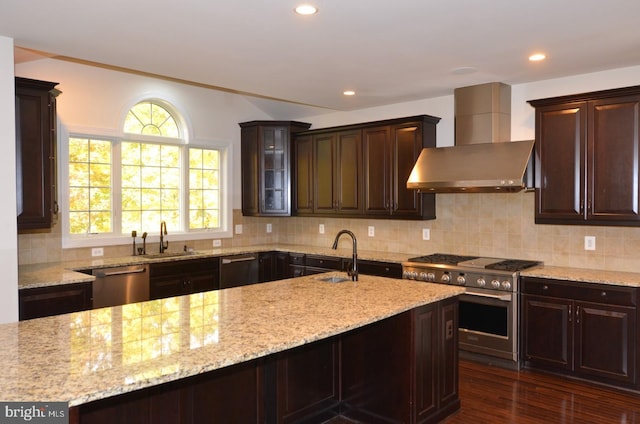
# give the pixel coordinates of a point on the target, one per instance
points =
(387, 51)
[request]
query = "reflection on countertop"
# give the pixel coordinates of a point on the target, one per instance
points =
(90, 355)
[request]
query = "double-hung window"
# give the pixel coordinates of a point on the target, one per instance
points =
(118, 185)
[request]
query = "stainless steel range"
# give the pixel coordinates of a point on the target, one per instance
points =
(488, 319)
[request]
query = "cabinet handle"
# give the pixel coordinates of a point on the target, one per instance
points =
(569, 313)
(577, 314)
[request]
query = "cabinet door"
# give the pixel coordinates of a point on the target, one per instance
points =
(304, 190)
(561, 150)
(48, 301)
(377, 170)
(604, 344)
(324, 166)
(348, 177)
(274, 156)
(614, 159)
(547, 328)
(313, 367)
(249, 171)
(35, 153)
(407, 143)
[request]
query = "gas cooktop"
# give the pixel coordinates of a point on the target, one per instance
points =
(512, 265)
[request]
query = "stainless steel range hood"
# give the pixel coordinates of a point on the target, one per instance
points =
(483, 158)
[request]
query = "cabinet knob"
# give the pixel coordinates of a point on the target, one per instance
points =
(545, 287)
(603, 294)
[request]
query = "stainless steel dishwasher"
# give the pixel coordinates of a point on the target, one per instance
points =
(238, 270)
(120, 285)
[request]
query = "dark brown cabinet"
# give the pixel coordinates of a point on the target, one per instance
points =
(273, 266)
(55, 300)
(266, 166)
(37, 205)
(361, 170)
(582, 329)
(588, 150)
(390, 152)
(176, 278)
(337, 172)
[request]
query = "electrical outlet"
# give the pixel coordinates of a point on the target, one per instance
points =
(269, 228)
(239, 229)
(217, 243)
(321, 228)
(97, 251)
(371, 231)
(426, 234)
(589, 242)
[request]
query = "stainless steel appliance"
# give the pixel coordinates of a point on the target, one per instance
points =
(120, 285)
(238, 270)
(488, 319)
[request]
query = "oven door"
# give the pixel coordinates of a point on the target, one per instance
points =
(488, 323)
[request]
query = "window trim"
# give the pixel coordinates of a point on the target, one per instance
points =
(114, 239)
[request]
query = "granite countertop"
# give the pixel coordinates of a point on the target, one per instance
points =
(91, 355)
(617, 278)
(59, 273)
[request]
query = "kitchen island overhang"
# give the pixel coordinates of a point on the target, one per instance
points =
(88, 356)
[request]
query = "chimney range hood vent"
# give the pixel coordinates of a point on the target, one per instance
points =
(483, 158)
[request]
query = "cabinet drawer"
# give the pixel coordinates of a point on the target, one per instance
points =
(588, 292)
(296, 259)
(324, 262)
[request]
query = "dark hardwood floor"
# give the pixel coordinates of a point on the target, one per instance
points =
(492, 395)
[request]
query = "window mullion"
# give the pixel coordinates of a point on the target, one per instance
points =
(116, 203)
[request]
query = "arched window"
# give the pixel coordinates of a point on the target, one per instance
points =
(133, 183)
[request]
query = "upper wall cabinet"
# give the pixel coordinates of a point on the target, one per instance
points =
(588, 150)
(37, 205)
(266, 166)
(362, 169)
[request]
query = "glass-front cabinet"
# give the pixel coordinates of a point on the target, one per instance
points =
(266, 166)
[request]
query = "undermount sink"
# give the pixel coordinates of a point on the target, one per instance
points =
(167, 255)
(333, 279)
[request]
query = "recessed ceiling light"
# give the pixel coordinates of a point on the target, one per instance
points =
(537, 57)
(349, 93)
(306, 9)
(463, 70)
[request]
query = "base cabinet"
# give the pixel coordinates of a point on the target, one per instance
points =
(168, 279)
(582, 329)
(55, 300)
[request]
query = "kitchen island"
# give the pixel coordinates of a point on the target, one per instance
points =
(295, 350)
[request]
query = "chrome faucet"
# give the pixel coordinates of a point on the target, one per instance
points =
(353, 272)
(164, 245)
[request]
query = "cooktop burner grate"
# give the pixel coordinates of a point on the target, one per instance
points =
(442, 258)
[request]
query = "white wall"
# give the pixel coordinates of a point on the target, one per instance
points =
(8, 225)
(97, 99)
(522, 114)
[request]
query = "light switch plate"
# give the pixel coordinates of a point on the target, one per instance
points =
(269, 228)
(217, 243)
(321, 228)
(239, 229)
(97, 251)
(426, 234)
(371, 231)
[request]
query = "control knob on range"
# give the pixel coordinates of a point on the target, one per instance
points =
(445, 278)
(431, 276)
(495, 284)
(422, 276)
(506, 285)
(481, 282)
(460, 280)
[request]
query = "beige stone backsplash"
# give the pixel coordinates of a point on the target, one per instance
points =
(499, 225)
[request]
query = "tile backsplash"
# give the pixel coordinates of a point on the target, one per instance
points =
(499, 225)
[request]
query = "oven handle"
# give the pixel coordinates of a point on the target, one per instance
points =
(502, 297)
